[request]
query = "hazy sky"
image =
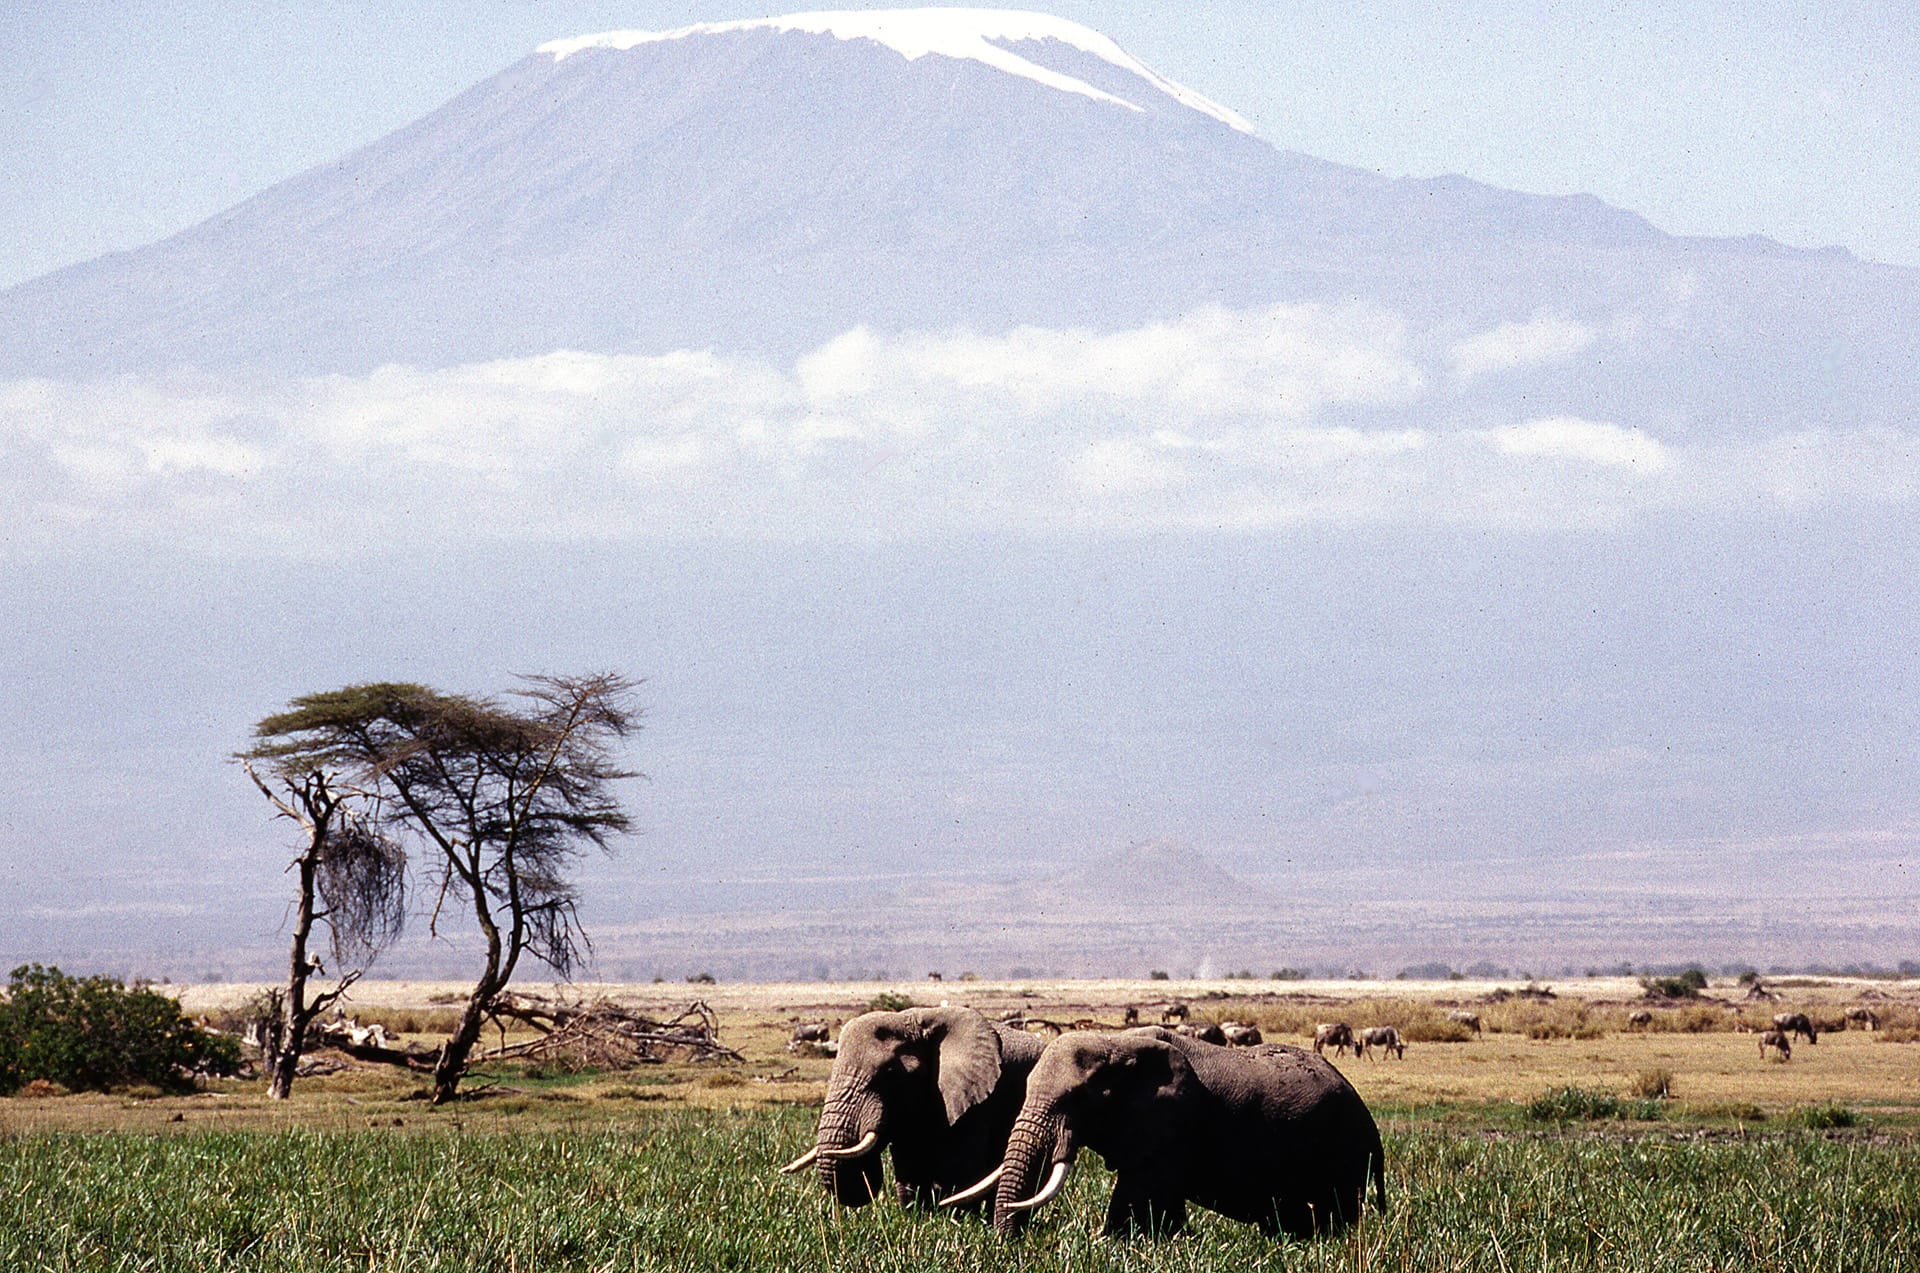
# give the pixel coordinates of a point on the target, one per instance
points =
(121, 124)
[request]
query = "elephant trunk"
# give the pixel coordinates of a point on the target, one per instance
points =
(852, 1117)
(1040, 1140)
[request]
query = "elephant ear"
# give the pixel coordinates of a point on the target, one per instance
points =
(969, 1057)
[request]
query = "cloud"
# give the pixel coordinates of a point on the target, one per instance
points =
(1267, 417)
(1545, 338)
(1585, 441)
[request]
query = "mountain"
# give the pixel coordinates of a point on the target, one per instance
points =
(764, 186)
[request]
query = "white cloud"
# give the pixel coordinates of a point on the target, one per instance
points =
(1274, 416)
(1587, 441)
(1544, 338)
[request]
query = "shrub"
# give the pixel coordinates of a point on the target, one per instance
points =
(1831, 1114)
(1430, 1031)
(1687, 985)
(889, 1001)
(95, 1034)
(701, 979)
(1653, 1085)
(1159, 974)
(1570, 1104)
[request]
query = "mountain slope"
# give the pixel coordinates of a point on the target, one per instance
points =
(765, 186)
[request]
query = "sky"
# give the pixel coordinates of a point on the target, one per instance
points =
(121, 124)
(1321, 587)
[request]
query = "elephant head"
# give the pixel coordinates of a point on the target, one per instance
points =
(1120, 1095)
(900, 1080)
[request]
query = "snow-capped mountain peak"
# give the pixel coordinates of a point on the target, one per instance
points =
(977, 35)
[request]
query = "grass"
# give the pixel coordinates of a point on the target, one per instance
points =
(693, 1190)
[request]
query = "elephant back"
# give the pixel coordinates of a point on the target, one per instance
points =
(1019, 1049)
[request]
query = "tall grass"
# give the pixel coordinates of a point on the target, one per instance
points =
(694, 1190)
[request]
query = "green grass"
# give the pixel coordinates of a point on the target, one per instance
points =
(694, 1190)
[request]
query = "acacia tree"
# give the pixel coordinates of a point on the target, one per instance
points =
(508, 798)
(351, 877)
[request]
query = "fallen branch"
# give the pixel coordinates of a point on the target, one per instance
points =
(602, 1034)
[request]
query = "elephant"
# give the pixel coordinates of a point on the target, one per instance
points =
(938, 1086)
(1337, 1035)
(1776, 1039)
(1269, 1135)
(1795, 1023)
(1384, 1037)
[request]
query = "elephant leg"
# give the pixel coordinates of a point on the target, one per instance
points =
(1137, 1209)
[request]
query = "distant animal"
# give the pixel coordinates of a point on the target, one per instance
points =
(1384, 1037)
(1776, 1039)
(1240, 1034)
(1337, 1035)
(1796, 1023)
(811, 1032)
(1175, 1012)
(1864, 1016)
(1471, 1020)
(934, 976)
(1639, 1016)
(1205, 1031)
(1131, 1016)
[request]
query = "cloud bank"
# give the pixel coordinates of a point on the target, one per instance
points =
(1221, 420)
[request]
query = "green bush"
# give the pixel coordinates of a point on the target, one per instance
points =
(1574, 1104)
(1821, 1117)
(889, 1001)
(1687, 985)
(95, 1034)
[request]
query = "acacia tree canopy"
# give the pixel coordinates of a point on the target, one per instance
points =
(509, 795)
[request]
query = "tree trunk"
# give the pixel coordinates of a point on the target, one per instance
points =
(454, 1053)
(283, 1059)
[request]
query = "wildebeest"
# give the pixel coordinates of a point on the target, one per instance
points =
(1205, 1031)
(1471, 1020)
(1131, 1016)
(1864, 1016)
(1776, 1039)
(1337, 1035)
(1384, 1037)
(1175, 1011)
(1240, 1034)
(1795, 1023)
(1639, 1016)
(811, 1032)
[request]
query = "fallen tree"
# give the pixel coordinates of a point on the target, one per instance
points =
(601, 1034)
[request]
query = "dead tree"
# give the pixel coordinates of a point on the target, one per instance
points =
(350, 878)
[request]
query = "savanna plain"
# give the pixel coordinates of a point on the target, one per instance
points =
(1564, 1134)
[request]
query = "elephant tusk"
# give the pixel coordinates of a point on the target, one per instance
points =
(854, 1150)
(803, 1160)
(975, 1190)
(1054, 1184)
